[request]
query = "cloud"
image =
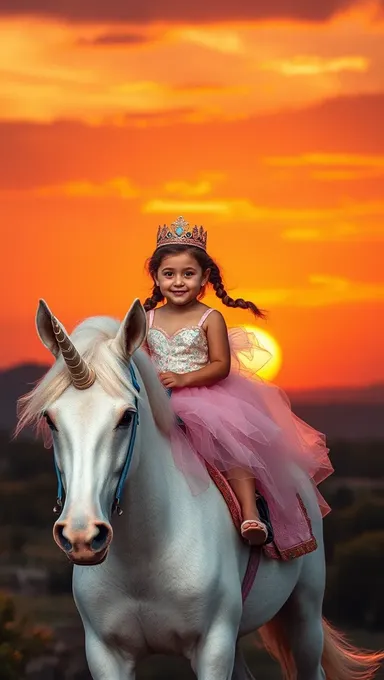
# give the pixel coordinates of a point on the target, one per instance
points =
(226, 41)
(328, 160)
(314, 65)
(159, 206)
(244, 210)
(346, 175)
(113, 40)
(36, 154)
(320, 291)
(154, 119)
(146, 11)
(319, 224)
(336, 233)
(117, 187)
(121, 188)
(53, 71)
(190, 190)
(200, 89)
(333, 166)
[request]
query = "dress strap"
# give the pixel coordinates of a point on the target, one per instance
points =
(151, 318)
(205, 315)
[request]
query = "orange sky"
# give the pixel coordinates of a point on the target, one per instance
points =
(266, 129)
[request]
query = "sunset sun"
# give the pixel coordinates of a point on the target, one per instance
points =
(273, 365)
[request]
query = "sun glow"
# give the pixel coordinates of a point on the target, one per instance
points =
(271, 369)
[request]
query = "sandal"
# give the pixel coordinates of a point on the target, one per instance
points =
(254, 531)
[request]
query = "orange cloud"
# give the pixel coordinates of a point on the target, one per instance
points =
(161, 206)
(346, 175)
(336, 233)
(35, 154)
(174, 11)
(202, 187)
(333, 166)
(305, 65)
(117, 187)
(320, 291)
(116, 40)
(245, 210)
(329, 160)
(223, 40)
(218, 71)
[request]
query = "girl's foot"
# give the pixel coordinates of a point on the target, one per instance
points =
(254, 531)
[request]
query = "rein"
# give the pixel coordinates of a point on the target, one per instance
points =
(116, 507)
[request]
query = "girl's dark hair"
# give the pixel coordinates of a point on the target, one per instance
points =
(205, 262)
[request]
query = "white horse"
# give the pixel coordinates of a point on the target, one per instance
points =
(166, 576)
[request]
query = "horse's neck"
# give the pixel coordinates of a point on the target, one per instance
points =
(155, 497)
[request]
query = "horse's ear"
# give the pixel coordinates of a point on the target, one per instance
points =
(44, 328)
(132, 331)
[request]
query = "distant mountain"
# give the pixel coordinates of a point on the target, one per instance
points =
(345, 413)
(14, 382)
(370, 394)
(350, 421)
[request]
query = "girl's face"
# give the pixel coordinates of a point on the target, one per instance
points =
(180, 278)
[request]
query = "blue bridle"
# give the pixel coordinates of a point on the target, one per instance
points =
(116, 507)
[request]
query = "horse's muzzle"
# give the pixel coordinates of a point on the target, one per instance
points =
(86, 547)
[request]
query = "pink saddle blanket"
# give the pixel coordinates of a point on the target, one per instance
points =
(290, 540)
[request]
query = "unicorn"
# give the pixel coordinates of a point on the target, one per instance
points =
(151, 574)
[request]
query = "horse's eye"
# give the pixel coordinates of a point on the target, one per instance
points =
(50, 422)
(125, 419)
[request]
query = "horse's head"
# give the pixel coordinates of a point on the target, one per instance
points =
(89, 400)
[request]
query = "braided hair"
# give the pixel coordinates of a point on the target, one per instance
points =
(205, 262)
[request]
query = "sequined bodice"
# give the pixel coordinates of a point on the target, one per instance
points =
(183, 352)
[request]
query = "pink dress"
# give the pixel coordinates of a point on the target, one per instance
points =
(240, 422)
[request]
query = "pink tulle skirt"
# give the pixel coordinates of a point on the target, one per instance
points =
(244, 426)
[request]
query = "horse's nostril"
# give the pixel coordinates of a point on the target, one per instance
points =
(100, 541)
(63, 540)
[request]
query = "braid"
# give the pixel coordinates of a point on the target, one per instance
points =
(218, 286)
(153, 301)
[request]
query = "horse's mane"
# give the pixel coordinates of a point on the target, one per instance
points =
(93, 338)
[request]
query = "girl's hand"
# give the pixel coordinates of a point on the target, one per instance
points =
(172, 380)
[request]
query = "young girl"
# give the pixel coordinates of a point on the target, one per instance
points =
(243, 426)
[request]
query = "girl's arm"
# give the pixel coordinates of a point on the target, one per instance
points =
(219, 355)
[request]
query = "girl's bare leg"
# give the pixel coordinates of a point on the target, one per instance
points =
(252, 529)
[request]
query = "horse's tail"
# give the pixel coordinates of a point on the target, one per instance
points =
(343, 661)
(340, 661)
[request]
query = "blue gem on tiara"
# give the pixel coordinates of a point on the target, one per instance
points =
(180, 225)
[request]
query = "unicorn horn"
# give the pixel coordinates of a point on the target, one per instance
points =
(83, 376)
